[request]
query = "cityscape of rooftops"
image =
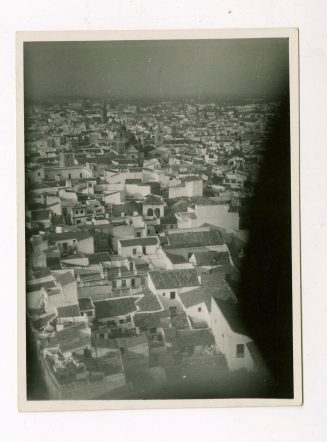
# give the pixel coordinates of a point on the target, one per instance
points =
(141, 161)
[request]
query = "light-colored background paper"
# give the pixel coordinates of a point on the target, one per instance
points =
(301, 423)
(50, 405)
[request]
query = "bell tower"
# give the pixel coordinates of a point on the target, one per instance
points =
(104, 113)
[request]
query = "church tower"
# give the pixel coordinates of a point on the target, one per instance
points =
(104, 113)
(158, 138)
(121, 139)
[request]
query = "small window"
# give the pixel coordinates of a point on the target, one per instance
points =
(124, 282)
(129, 319)
(163, 294)
(131, 267)
(240, 350)
(134, 251)
(149, 232)
(69, 176)
(114, 284)
(172, 295)
(138, 234)
(199, 309)
(81, 175)
(121, 321)
(38, 174)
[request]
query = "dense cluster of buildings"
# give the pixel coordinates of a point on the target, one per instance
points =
(136, 229)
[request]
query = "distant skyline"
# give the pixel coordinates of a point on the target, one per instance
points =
(156, 69)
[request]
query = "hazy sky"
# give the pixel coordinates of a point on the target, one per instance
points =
(169, 69)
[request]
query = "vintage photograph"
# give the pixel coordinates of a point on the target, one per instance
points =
(160, 219)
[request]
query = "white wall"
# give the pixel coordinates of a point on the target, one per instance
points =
(217, 215)
(227, 340)
(86, 245)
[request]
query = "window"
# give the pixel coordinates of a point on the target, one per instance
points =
(240, 350)
(149, 232)
(81, 175)
(124, 282)
(133, 282)
(144, 250)
(38, 174)
(114, 284)
(138, 234)
(164, 294)
(121, 321)
(150, 212)
(199, 309)
(129, 319)
(172, 295)
(134, 251)
(69, 176)
(131, 267)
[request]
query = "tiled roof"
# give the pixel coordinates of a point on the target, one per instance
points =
(115, 307)
(40, 272)
(195, 239)
(33, 287)
(192, 178)
(40, 215)
(147, 241)
(128, 207)
(211, 258)
(203, 201)
(176, 259)
(72, 338)
(195, 297)
(73, 234)
(64, 278)
(179, 321)
(98, 258)
(123, 272)
(153, 200)
(217, 286)
(145, 321)
(149, 303)
(186, 338)
(169, 279)
(85, 304)
(42, 321)
(133, 181)
(168, 219)
(68, 311)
